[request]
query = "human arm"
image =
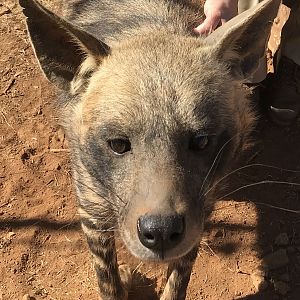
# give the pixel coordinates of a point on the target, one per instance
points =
(217, 12)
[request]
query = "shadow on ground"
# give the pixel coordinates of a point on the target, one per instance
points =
(278, 147)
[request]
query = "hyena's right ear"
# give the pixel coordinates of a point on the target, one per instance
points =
(60, 46)
(242, 41)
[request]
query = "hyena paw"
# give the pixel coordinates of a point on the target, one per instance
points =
(168, 294)
(126, 276)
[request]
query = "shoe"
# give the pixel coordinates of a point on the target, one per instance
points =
(283, 92)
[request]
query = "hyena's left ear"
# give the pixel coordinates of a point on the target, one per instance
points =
(60, 46)
(242, 41)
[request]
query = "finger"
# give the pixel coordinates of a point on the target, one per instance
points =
(226, 19)
(223, 21)
(209, 25)
(227, 16)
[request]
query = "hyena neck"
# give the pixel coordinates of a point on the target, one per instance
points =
(113, 20)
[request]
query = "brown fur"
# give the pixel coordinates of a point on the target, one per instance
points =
(134, 71)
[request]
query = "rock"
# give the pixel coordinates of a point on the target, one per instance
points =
(281, 287)
(10, 235)
(282, 239)
(28, 297)
(4, 10)
(219, 233)
(259, 280)
(275, 260)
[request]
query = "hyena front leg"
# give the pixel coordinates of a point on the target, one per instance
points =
(179, 273)
(113, 283)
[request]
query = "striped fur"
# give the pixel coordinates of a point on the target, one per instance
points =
(136, 71)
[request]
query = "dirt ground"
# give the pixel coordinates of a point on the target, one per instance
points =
(251, 249)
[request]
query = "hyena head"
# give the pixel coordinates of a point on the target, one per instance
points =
(152, 119)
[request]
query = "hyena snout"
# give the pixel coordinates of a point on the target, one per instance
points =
(161, 232)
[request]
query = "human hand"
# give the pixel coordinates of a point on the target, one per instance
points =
(217, 12)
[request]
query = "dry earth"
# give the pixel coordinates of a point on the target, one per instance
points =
(43, 254)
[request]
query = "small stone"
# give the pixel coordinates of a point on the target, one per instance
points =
(219, 233)
(4, 10)
(282, 239)
(276, 260)
(28, 297)
(11, 234)
(281, 287)
(259, 280)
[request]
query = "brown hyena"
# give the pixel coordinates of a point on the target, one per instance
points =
(153, 114)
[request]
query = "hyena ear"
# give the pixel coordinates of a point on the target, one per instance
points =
(242, 41)
(61, 47)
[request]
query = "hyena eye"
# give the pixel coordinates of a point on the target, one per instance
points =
(119, 146)
(199, 142)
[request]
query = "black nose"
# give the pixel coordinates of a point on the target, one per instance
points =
(160, 232)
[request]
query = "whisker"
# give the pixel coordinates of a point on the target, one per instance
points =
(278, 207)
(113, 205)
(111, 229)
(104, 221)
(245, 167)
(211, 179)
(259, 183)
(102, 184)
(214, 162)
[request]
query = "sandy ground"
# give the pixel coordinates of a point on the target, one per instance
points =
(43, 252)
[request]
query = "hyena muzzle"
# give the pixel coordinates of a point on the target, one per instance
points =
(153, 114)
